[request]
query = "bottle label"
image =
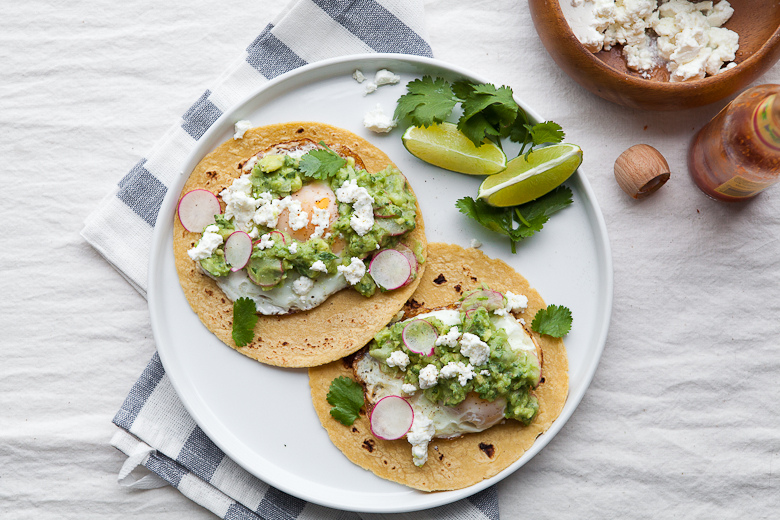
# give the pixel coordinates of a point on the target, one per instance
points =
(740, 187)
(764, 124)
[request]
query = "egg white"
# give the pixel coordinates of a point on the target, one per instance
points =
(473, 414)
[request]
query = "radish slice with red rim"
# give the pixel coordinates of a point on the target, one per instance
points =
(278, 235)
(196, 210)
(390, 269)
(389, 225)
(491, 300)
(391, 418)
(409, 254)
(419, 336)
(238, 250)
(265, 272)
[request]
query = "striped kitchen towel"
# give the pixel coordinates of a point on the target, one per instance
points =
(155, 431)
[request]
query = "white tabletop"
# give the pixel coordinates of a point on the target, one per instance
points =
(681, 416)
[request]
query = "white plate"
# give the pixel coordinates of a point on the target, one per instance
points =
(261, 416)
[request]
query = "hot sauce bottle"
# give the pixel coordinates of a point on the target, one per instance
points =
(737, 154)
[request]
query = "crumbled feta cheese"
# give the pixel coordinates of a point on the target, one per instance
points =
(253, 233)
(358, 76)
(268, 210)
(293, 248)
(690, 36)
(302, 285)
(240, 206)
(354, 271)
(500, 312)
(515, 302)
(429, 376)
(377, 121)
(476, 244)
(450, 339)
(419, 436)
(362, 219)
(207, 244)
(321, 221)
(484, 372)
(297, 218)
(370, 88)
(241, 127)
(385, 77)
(265, 242)
(408, 389)
(463, 372)
(399, 359)
(320, 266)
(475, 349)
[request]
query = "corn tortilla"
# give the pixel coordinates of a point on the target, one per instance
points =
(465, 461)
(338, 327)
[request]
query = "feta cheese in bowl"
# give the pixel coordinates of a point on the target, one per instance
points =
(573, 30)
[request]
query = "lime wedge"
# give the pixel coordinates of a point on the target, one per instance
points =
(445, 146)
(523, 181)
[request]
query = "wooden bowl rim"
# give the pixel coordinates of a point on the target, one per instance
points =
(672, 86)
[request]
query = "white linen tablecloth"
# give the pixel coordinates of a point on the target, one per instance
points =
(681, 418)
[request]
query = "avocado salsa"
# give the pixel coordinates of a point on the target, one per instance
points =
(275, 177)
(508, 373)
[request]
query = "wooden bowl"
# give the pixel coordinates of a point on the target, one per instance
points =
(605, 73)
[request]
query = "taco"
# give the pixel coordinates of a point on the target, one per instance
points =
(482, 387)
(302, 211)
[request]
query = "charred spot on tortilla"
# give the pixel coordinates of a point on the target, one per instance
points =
(303, 336)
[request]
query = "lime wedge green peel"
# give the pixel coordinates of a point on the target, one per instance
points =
(526, 180)
(445, 146)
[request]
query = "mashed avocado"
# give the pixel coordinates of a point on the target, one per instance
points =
(277, 176)
(508, 373)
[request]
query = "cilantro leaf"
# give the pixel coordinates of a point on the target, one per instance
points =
(487, 111)
(547, 132)
(346, 397)
(244, 320)
(516, 222)
(428, 101)
(321, 163)
(554, 321)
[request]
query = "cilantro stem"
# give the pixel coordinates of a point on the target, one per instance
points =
(522, 219)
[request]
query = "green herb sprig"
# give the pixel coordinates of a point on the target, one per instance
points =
(346, 397)
(244, 321)
(322, 163)
(488, 112)
(517, 222)
(554, 321)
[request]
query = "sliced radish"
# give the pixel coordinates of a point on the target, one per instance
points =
(385, 212)
(420, 336)
(392, 227)
(409, 254)
(238, 249)
(391, 418)
(265, 272)
(197, 209)
(390, 269)
(491, 300)
(278, 235)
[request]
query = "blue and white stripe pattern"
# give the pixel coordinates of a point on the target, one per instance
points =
(153, 420)
(155, 429)
(310, 30)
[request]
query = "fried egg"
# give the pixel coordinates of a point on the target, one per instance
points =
(473, 414)
(284, 298)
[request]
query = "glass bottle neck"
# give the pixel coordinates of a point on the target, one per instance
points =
(766, 122)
